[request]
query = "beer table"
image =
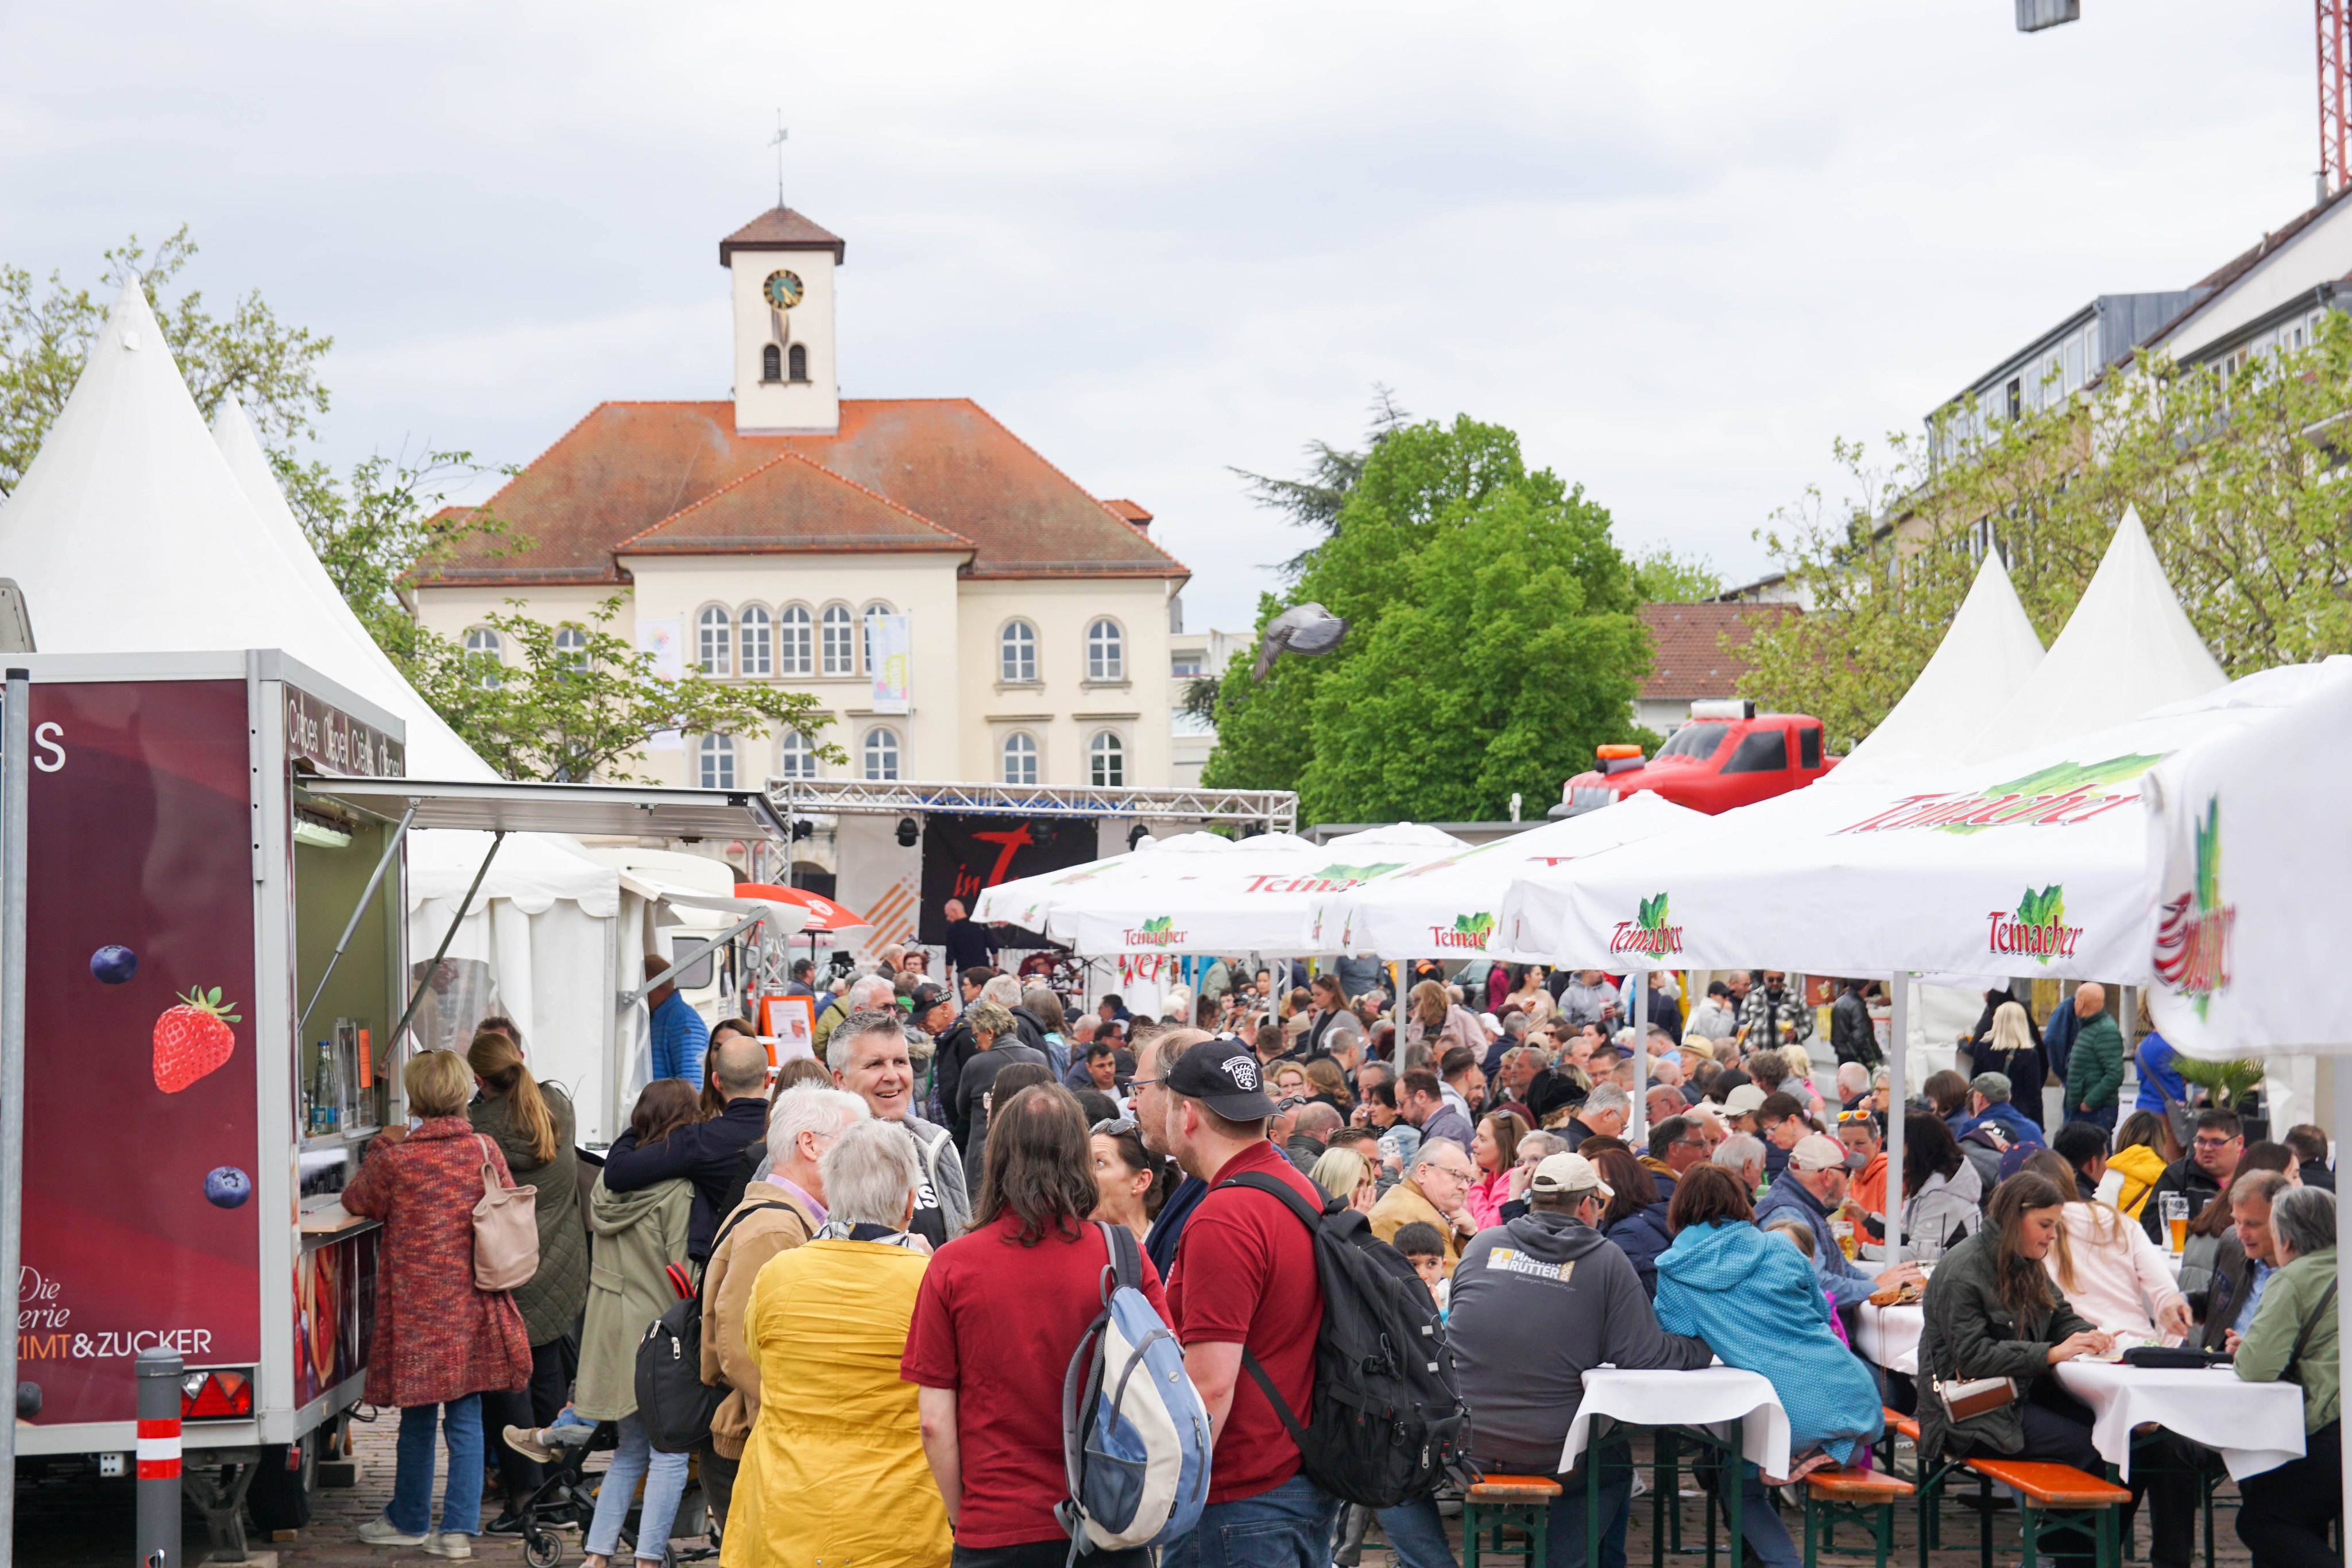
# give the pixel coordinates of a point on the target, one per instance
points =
(2254, 1427)
(1703, 1400)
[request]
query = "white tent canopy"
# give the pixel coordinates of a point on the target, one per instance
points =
(2128, 648)
(1446, 907)
(1987, 657)
(1197, 893)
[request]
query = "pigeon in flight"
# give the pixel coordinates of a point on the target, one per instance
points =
(1302, 629)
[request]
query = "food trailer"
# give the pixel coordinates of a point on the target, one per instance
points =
(217, 985)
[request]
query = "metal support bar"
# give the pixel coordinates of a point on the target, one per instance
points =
(16, 786)
(1898, 1051)
(158, 1489)
(359, 910)
(694, 955)
(448, 937)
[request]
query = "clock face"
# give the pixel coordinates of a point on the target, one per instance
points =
(782, 289)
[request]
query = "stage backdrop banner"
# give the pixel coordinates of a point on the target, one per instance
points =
(962, 855)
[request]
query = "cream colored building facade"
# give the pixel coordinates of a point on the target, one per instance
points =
(756, 536)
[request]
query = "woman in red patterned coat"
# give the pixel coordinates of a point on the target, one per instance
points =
(439, 1341)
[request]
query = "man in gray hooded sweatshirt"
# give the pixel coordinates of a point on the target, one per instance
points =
(1535, 1304)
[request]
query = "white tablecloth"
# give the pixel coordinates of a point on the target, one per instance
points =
(1705, 1397)
(1890, 1336)
(2255, 1426)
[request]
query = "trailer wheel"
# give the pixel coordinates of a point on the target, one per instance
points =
(285, 1484)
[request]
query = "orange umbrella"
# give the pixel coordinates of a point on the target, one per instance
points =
(825, 915)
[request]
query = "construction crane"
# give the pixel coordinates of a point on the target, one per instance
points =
(2334, 18)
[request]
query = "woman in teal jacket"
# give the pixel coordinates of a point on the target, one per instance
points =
(1753, 1298)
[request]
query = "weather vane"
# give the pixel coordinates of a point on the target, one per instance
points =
(777, 141)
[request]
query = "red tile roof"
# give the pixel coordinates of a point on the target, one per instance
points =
(780, 228)
(1127, 511)
(629, 468)
(1688, 659)
(791, 504)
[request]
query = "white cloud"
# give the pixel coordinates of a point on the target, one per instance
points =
(1677, 247)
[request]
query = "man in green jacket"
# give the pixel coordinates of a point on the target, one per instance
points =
(2094, 1071)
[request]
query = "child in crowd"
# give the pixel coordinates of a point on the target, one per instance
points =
(1424, 1248)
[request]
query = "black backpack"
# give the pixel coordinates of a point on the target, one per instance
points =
(673, 1401)
(1388, 1423)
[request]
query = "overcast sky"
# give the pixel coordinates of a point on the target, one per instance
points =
(1679, 248)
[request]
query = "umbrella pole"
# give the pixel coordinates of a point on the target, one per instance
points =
(1640, 980)
(1898, 1046)
(2343, 1129)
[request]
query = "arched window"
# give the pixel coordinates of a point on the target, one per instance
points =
(1020, 760)
(840, 650)
(881, 755)
(799, 362)
(793, 657)
(571, 648)
(712, 629)
(718, 753)
(483, 647)
(796, 756)
(866, 624)
(756, 643)
(1106, 652)
(1017, 652)
(772, 368)
(1107, 761)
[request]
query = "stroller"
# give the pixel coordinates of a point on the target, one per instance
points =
(567, 1498)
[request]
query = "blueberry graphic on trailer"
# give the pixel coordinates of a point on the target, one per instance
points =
(225, 1186)
(114, 964)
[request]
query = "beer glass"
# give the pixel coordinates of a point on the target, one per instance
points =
(2174, 1207)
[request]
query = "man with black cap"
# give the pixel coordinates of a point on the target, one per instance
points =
(1244, 1278)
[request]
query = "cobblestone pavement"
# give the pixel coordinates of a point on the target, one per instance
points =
(87, 1524)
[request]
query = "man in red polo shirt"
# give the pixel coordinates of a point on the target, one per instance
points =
(1245, 1279)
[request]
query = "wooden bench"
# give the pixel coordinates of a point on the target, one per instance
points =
(2050, 1496)
(1867, 1497)
(1507, 1502)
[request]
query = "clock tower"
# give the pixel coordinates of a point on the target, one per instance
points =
(781, 270)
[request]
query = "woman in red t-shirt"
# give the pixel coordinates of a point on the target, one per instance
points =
(1000, 1314)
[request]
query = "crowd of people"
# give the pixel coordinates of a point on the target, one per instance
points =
(896, 1250)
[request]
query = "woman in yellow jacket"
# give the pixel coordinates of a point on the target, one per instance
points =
(834, 1474)
(2136, 1162)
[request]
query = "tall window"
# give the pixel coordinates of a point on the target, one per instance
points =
(718, 761)
(484, 649)
(840, 651)
(1017, 653)
(712, 629)
(771, 363)
(796, 756)
(1106, 761)
(1106, 652)
(881, 755)
(571, 648)
(1020, 760)
(755, 639)
(866, 624)
(799, 361)
(794, 637)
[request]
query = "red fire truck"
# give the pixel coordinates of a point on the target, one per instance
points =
(1728, 755)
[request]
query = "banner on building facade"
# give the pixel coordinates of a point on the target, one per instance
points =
(889, 639)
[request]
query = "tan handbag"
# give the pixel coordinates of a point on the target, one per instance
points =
(505, 1230)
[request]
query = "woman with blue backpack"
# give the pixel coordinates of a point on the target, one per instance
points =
(1005, 1311)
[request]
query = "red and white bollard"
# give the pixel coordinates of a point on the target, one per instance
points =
(159, 1459)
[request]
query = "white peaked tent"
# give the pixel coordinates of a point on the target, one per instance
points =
(1987, 657)
(2128, 648)
(1446, 908)
(138, 530)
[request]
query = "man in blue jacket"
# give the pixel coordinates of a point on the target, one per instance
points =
(1812, 1187)
(680, 1039)
(1989, 1104)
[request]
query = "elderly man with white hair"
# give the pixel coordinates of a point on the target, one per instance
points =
(866, 994)
(868, 1056)
(1435, 1191)
(1853, 1085)
(1742, 1153)
(784, 1211)
(1605, 1113)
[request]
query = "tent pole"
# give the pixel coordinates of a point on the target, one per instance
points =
(1640, 980)
(359, 910)
(2342, 1131)
(1898, 1045)
(392, 1040)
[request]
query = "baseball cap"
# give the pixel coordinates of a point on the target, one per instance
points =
(1567, 1173)
(1816, 1153)
(923, 998)
(1224, 1076)
(1745, 1100)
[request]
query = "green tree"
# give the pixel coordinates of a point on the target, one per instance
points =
(1662, 577)
(588, 709)
(46, 334)
(1492, 640)
(1314, 502)
(2238, 476)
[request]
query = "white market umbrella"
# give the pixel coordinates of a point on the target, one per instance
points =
(1185, 897)
(2250, 840)
(1447, 907)
(1987, 655)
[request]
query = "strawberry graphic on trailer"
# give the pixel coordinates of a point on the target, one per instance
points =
(192, 1038)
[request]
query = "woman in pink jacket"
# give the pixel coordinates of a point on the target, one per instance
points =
(2108, 1269)
(1494, 1149)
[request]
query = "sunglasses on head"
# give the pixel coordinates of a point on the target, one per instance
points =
(1113, 1128)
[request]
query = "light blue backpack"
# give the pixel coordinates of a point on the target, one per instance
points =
(1135, 1434)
